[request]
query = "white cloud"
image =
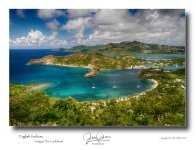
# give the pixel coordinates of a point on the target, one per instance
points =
(50, 13)
(110, 16)
(153, 26)
(76, 24)
(58, 43)
(36, 38)
(33, 38)
(35, 35)
(20, 13)
(73, 13)
(53, 25)
(52, 36)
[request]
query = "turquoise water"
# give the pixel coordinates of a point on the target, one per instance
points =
(172, 67)
(105, 85)
(71, 81)
(151, 56)
(158, 56)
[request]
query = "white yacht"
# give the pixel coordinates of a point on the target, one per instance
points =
(93, 87)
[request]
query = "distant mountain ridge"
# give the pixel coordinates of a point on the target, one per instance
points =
(128, 47)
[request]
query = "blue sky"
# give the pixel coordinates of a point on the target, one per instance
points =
(53, 28)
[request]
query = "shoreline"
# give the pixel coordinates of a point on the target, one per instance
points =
(40, 86)
(43, 86)
(92, 72)
(156, 83)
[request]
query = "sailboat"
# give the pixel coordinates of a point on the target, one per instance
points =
(93, 87)
(114, 86)
(138, 86)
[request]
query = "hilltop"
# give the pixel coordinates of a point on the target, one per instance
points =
(129, 47)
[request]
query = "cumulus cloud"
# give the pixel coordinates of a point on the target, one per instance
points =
(73, 13)
(53, 25)
(50, 13)
(91, 27)
(154, 26)
(52, 36)
(36, 38)
(110, 16)
(77, 25)
(33, 37)
(20, 13)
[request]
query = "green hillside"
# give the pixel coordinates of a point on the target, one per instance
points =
(94, 61)
(130, 47)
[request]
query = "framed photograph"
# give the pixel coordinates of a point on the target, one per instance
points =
(97, 67)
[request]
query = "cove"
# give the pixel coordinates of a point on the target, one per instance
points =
(67, 81)
(107, 84)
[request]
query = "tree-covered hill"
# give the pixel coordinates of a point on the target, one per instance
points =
(130, 47)
(94, 61)
(162, 106)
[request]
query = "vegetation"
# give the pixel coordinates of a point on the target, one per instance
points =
(163, 106)
(61, 49)
(129, 47)
(95, 61)
(167, 62)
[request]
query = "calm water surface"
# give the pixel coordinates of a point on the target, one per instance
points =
(158, 56)
(71, 81)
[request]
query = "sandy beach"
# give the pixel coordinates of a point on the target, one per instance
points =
(91, 73)
(136, 96)
(40, 86)
(153, 87)
(155, 84)
(142, 93)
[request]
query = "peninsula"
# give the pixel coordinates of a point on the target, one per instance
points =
(94, 61)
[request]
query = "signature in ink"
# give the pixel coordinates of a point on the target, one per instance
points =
(97, 139)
